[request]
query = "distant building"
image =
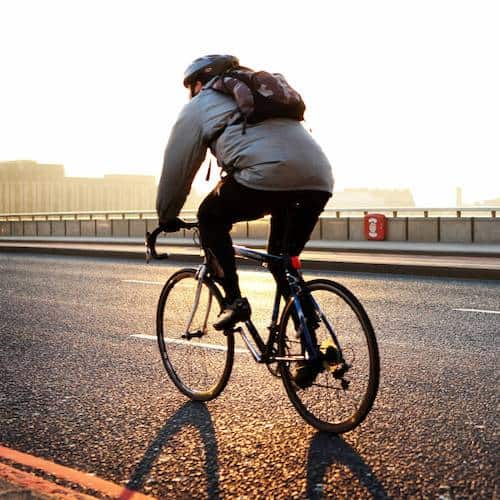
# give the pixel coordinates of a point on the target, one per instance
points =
(495, 202)
(361, 198)
(27, 186)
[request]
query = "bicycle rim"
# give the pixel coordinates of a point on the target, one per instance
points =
(327, 404)
(199, 366)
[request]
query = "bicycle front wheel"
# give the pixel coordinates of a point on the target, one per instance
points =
(343, 392)
(197, 357)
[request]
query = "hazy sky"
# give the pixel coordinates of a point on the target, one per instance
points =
(399, 93)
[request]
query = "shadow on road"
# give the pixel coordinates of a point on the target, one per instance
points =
(326, 450)
(190, 414)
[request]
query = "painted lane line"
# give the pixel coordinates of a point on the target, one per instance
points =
(34, 484)
(72, 475)
(213, 347)
(143, 282)
(486, 311)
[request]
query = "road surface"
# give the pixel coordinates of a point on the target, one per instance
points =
(80, 388)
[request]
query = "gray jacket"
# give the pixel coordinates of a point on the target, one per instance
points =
(277, 154)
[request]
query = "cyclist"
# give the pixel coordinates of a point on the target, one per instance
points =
(274, 168)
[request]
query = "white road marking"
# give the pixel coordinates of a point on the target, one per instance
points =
(214, 347)
(486, 311)
(143, 282)
(143, 336)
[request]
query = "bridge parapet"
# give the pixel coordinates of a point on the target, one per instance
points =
(447, 225)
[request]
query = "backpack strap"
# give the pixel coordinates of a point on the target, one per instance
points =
(207, 178)
(210, 86)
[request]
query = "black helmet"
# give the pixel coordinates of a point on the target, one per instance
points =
(206, 67)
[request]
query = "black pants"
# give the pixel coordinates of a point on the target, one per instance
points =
(293, 217)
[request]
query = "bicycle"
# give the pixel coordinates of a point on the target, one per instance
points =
(342, 344)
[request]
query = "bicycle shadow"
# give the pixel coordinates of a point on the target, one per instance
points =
(194, 414)
(326, 450)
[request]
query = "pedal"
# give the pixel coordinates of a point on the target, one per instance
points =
(195, 335)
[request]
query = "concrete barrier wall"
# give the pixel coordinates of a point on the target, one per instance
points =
(103, 228)
(397, 228)
(58, 228)
(17, 228)
(87, 228)
(487, 230)
(456, 230)
(5, 229)
(29, 228)
(73, 228)
(413, 229)
(335, 229)
(137, 228)
(43, 228)
(119, 228)
(356, 229)
(423, 230)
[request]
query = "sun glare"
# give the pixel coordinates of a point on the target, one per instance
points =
(399, 95)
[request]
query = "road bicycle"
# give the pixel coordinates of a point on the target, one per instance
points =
(338, 340)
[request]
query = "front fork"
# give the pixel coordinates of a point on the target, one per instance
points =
(200, 277)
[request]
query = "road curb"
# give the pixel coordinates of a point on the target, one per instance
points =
(384, 247)
(436, 270)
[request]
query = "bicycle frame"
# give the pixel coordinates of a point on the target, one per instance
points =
(263, 352)
(266, 355)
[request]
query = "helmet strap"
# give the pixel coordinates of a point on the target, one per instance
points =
(192, 92)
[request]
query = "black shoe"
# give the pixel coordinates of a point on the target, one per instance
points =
(306, 372)
(238, 310)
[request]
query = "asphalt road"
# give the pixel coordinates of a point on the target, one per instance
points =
(78, 388)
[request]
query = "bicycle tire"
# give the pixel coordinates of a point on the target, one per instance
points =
(335, 299)
(200, 367)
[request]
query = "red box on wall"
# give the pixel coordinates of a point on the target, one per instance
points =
(375, 226)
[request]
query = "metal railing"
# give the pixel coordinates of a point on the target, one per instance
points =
(416, 211)
(426, 212)
(81, 215)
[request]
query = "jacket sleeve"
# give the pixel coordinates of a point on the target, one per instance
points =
(184, 154)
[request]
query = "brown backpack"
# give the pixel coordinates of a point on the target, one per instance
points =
(260, 95)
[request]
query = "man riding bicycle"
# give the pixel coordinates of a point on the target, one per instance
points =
(273, 167)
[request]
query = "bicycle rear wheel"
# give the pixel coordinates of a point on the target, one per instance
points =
(335, 402)
(197, 358)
